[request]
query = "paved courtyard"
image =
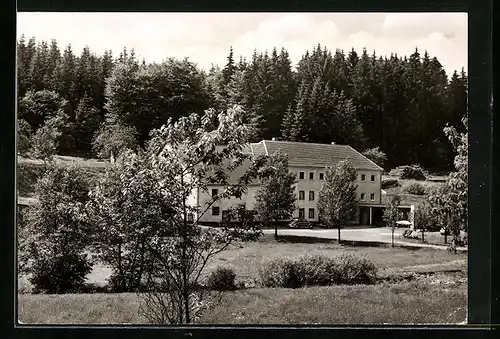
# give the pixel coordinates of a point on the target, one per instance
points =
(357, 233)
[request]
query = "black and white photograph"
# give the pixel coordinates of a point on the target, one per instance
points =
(242, 168)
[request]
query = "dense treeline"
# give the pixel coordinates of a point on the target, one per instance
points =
(399, 104)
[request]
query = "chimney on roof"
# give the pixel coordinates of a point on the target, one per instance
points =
(273, 139)
(333, 142)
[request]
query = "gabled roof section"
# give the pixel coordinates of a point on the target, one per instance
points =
(303, 154)
(259, 148)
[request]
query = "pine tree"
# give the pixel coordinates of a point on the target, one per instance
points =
(39, 67)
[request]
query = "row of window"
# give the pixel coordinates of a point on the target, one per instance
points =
(302, 195)
(311, 176)
(372, 196)
(373, 177)
(302, 212)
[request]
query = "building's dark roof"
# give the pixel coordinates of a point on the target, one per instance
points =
(303, 154)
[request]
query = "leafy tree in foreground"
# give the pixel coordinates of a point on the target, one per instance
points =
(275, 199)
(145, 202)
(54, 238)
(128, 210)
(337, 201)
(184, 156)
(450, 202)
(392, 214)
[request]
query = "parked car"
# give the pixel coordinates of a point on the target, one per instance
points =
(299, 223)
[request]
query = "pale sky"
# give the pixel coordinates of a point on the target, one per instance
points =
(206, 37)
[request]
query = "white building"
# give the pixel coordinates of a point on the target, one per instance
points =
(309, 162)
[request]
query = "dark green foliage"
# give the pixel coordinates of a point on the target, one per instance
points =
(425, 217)
(111, 140)
(37, 107)
(55, 236)
(222, 279)
(60, 274)
(376, 155)
(413, 172)
(23, 136)
(390, 183)
(337, 199)
(413, 188)
(400, 104)
(27, 177)
(318, 270)
(275, 199)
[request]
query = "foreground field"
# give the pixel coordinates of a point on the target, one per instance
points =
(246, 259)
(401, 303)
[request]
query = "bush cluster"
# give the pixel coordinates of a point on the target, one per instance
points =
(413, 188)
(27, 177)
(318, 270)
(61, 274)
(222, 279)
(390, 183)
(414, 172)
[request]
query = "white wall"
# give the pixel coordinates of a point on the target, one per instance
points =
(305, 185)
(225, 204)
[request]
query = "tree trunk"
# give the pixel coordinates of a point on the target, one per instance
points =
(392, 236)
(185, 280)
(339, 232)
(423, 230)
(276, 229)
(120, 268)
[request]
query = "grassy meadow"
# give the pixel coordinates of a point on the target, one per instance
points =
(416, 286)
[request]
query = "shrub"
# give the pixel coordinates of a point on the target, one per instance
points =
(315, 270)
(222, 279)
(353, 270)
(318, 270)
(425, 218)
(54, 236)
(278, 273)
(59, 275)
(390, 183)
(413, 188)
(414, 172)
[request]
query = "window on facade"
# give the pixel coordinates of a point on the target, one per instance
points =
(215, 210)
(311, 195)
(362, 196)
(215, 191)
(311, 175)
(373, 177)
(190, 217)
(363, 177)
(372, 196)
(242, 206)
(321, 176)
(302, 213)
(301, 175)
(301, 195)
(311, 213)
